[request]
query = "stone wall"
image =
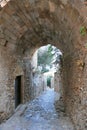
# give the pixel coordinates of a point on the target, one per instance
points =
(27, 25)
(37, 85)
(58, 83)
(9, 69)
(73, 91)
(11, 66)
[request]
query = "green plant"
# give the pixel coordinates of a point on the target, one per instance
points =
(86, 45)
(83, 30)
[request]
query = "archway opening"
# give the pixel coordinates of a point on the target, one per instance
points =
(36, 23)
(46, 70)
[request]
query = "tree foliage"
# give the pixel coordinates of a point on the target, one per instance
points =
(45, 57)
(48, 56)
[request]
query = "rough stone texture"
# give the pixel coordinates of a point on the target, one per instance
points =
(27, 25)
(8, 72)
(57, 82)
(39, 114)
(37, 85)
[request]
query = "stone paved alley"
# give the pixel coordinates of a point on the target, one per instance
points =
(25, 26)
(39, 114)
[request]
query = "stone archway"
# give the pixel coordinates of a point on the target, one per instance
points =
(27, 25)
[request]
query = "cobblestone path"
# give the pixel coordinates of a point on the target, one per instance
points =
(39, 114)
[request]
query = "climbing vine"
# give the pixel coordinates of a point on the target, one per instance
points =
(83, 30)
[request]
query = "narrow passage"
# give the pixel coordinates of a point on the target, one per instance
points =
(39, 114)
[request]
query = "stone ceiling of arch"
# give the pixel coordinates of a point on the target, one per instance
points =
(38, 22)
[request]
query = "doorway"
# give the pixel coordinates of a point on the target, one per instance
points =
(17, 91)
(49, 81)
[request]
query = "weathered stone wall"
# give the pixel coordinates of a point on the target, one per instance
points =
(34, 61)
(74, 91)
(9, 69)
(37, 85)
(58, 83)
(27, 25)
(11, 66)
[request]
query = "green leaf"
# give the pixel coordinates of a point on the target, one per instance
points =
(83, 30)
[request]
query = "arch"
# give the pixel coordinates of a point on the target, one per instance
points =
(27, 25)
